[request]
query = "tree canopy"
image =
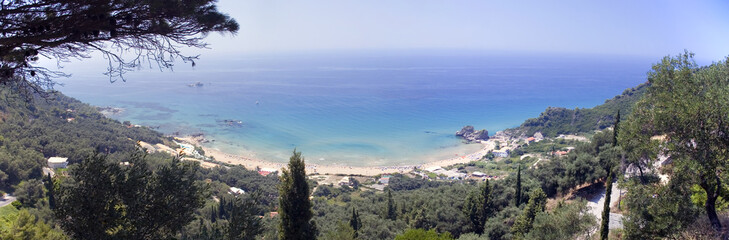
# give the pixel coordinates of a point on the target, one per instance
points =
(294, 205)
(690, 106)
(126, 32)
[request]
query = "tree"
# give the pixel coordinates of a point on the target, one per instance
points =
(355, 222)
(50, 188)
(294, 206)
(126, 32)
(342, 232)
(517, 196)
(566, 221)
(605, 224)
(27, 227)
(103, 200)
(690, 106)
(30, 192)
(420, 234)
(479, 207)
(537, 203)
(244, 223)
(616, 129)
(391, 211)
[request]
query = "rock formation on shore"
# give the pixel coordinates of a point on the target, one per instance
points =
(470, 135)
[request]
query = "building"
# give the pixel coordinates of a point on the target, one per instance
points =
(530, 139)
(345, 181)
(236, 191)
(385, 180)
(57, 162)
(501, 153)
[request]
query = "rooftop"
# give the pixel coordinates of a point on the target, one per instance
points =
(57, 160)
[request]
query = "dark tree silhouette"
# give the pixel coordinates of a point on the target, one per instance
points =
(126, 32)
(294, 205)
(104, 200)
(355, 222)
(391, 213)
(517, 200)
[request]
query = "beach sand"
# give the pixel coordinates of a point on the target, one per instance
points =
(251, 163)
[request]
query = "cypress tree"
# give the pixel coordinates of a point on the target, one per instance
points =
(355, 222)
(49, 188)
(518, 186)
(294, 204)
(615, 129)
(523, 223)
(485, 206)
(604, 226)
(243, 221)
(478, 207)
(391, 214)
(213, 214)
(221, 208)
(471, 209)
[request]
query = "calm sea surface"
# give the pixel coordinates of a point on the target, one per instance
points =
(363, 109)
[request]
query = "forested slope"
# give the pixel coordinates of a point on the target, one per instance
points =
(33, 130)
(556, 120)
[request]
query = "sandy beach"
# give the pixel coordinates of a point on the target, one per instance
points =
(252, 163)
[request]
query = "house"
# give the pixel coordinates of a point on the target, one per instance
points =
(478, 174)
(385, 179)
(501, 153)
(57, 162)
(530, 139)
(560, 153)
(236, 191)
(345, 181)
(265, 171)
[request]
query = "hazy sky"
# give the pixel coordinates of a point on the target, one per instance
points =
(636, 27)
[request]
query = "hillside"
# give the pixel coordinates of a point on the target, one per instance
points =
(556, 120)
(33, 130)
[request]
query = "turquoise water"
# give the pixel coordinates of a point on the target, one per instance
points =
(364, 109)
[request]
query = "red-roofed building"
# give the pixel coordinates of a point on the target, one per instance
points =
(264, 173)
(530, 139)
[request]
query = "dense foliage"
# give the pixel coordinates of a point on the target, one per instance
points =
(105, 200)
(30, 132)
(689, 106)
(555, 120)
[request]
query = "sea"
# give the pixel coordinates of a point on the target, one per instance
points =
(373, 108)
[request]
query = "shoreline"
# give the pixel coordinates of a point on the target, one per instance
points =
(315, 169)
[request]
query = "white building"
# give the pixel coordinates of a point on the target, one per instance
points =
(236, 191)
(57, 162)
(501, 153)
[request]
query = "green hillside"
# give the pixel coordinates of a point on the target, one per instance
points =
(556, 120)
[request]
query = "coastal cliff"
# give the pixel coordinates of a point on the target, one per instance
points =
(471, 135)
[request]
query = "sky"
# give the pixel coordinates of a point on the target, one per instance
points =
(635, 28)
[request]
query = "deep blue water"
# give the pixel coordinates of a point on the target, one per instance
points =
(358, 108)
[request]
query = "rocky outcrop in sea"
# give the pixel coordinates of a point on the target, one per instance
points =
(471, 135)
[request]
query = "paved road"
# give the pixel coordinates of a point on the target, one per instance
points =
(597, 204)
(7, 200)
